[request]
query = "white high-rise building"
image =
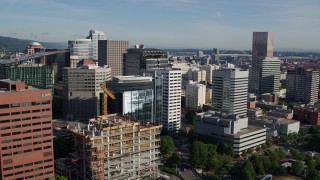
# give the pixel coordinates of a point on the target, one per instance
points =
(195, 96)
(171, 102)
(82, 48)
(229, 91)
(95, 36)
(86, 48)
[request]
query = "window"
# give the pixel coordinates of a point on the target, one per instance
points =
(5, 114)
(35, 103)
(15, 113)
(4, 106)
(14, 105)
(46, 102)
(25, 104)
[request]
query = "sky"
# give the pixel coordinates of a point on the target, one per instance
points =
(202, 24)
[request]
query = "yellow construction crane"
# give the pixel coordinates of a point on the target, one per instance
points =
(106, 94)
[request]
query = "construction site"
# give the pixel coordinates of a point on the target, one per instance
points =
(116, 147)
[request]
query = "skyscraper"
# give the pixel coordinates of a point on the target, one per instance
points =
(262, 45)
(264, 75)
(86, 48)
(95, 36)
(137, 59)
(171, 98)
(111, 53)
(302, 85)
(81, 91)
(229, 91)
(26, 132)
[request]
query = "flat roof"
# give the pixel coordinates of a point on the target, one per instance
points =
(248, 130)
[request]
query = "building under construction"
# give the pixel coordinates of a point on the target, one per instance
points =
(116, 147)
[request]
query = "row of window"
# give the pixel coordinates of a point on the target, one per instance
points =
(26, 144)
(29, 170)
(25, 151)
(26, 119)
(24, 104)
(24, 132)
(24, 125)
(26, 138)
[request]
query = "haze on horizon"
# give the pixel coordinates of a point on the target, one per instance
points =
(166, 23)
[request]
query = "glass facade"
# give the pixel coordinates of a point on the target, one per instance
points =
(138, 99)
(138, 104)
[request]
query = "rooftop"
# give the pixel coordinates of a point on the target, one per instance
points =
(110, 122)
(248, 130)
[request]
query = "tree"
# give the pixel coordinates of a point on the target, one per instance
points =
(224, 148)
(313, 175)
(199, 154)
(246, 174)
(258, 164)
(191, 117)
(297, 168)
(249, 167)
(57, 177)
(167, 146)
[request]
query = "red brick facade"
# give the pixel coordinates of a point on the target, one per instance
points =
(25, 132)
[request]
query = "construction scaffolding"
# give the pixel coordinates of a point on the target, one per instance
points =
(116, 147)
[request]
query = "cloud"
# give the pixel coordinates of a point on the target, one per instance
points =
(218, 14)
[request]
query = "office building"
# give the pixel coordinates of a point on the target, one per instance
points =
(82, 91)
(195, 96)
(265, 76)
(302, 85)
(111, 53)
(26, 132)
(135, 97)
(86, 48)
(95, 36)
(81, 47)
(231, 129)
(171, 99)
(229, 91)
(117, 147)
(139, 58)
(38, 75)
(262, 45)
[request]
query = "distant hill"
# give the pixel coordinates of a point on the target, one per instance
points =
(19, 45)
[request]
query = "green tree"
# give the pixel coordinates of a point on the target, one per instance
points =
(258, 164)
(199, 154)
(248, 166)
(297, 168)
(167, 146)
(191, 117)
(57, 177)
(313, 175)
(246, 174)
(224, 148)
(266, 162)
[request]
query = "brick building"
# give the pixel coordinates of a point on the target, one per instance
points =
(26, 132)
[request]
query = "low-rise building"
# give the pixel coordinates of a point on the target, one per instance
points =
(269, 105)
(230, 129)
(281, 113)
(254, 112)
(276, 126)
